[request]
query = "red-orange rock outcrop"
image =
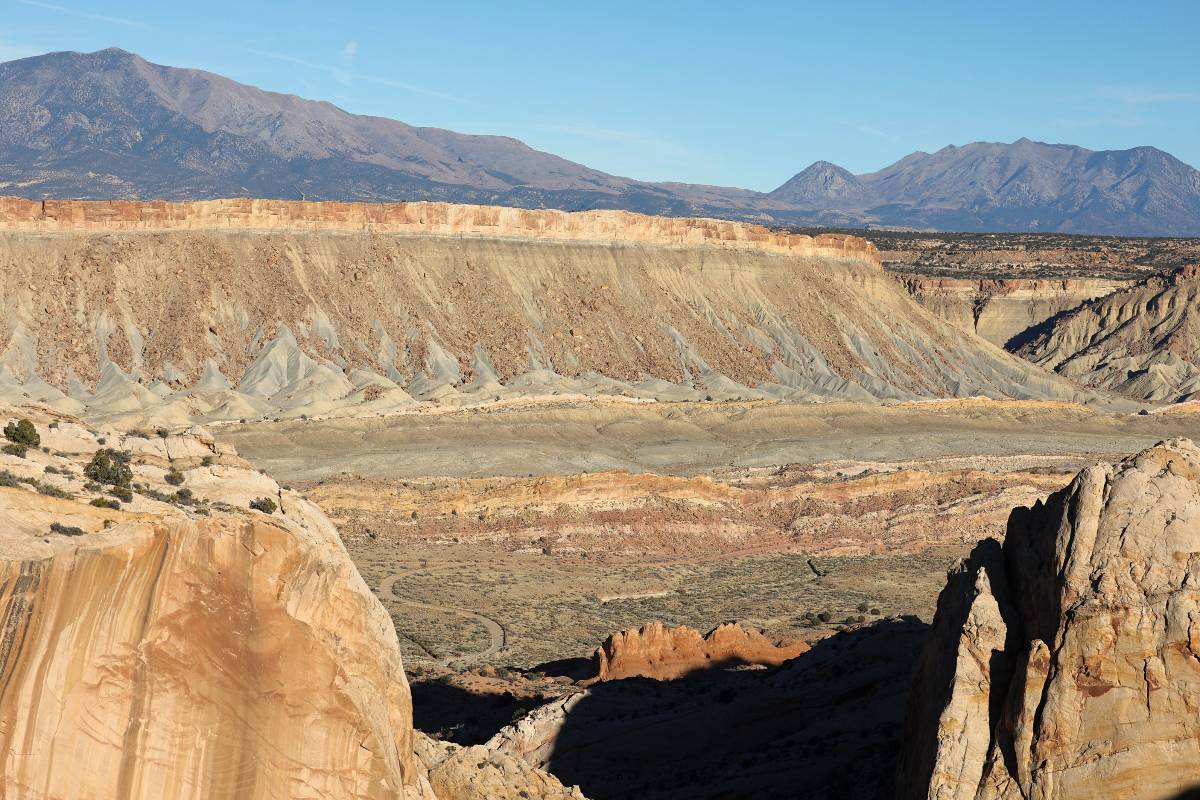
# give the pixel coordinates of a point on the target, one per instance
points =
(656, 651)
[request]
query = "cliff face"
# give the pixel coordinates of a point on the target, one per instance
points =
(1003, 311)
(1064, 664)
(655, 651)
(1142, 341)
(189, 649)
(159, 313)
(421, 218)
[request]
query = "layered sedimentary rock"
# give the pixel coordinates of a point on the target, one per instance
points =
(421, 218)
(656, 651)
(1065, 663)
(1142, 341)
(185, 646)
(167, 313)
(1004, 311)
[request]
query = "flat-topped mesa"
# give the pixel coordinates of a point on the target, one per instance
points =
(656, 651)
(417, 218)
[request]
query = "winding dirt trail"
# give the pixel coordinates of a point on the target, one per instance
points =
(499, 637)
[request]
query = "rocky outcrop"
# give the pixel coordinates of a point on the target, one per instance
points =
(184, 646)
(656, 651)
(1003, 311)
(482, 772)
(1066, 663)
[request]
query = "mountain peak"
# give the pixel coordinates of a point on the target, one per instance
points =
(818, 184)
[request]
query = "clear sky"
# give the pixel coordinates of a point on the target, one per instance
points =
(741, 94)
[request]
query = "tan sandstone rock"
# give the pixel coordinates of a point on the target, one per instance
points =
(1067, 664)
(656, 651)
(175, 652)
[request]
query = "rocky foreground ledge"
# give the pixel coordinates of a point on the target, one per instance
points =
(174, 624)
(1065, 663)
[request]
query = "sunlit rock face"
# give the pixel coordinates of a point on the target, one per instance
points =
(191, 651)
(1066, 663)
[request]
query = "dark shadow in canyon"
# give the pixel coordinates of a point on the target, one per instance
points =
(824, 725)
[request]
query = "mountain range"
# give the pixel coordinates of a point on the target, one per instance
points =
(110, 124)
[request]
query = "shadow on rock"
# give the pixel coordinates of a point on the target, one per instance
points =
(457, 715)
(826, 724)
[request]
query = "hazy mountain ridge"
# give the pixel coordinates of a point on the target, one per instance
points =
(112, 125)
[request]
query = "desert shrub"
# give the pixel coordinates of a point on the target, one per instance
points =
(109, 466)
(862, 608)
(207, 461)
(162, 433)
(53, 491)
(824, 616)
(122, 493)
(173, 477)
(138, 434)
(875, 612)
(14, 449)
(183, 497)
(22, 432)
(104, 502)
(66, 530)
(154, 494)
(9, 480)
(53, 425)
(264, 504)
(91, 486)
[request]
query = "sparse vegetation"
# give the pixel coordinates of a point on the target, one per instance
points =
(122, 493)
(51, 490)
(14, 449)
(174, 477)
(66, 530)
(264, 504)
(104, 502)
(110, 467)
(22, 432)
(207, 461)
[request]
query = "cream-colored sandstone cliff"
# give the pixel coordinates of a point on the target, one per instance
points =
(193, 648)
(1066, 664)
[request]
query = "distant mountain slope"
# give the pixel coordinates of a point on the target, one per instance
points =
(112, 125)
(1030, 186)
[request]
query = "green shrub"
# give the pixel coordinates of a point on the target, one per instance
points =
(22, 432)
(104, 502)
(9, 480)
(183, 497)
(264, 504)
(122, 493)
(14, 449)
(53, 491)
(109, 466)
(173, 477)
(66, 530)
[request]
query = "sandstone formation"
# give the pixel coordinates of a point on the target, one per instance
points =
(1063, 664)
(482, 772)
(157, 313)
(186, 646)
(1142, 341)
(1003, 311)
(656, 651)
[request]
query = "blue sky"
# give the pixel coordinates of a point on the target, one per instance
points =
(706, 92)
